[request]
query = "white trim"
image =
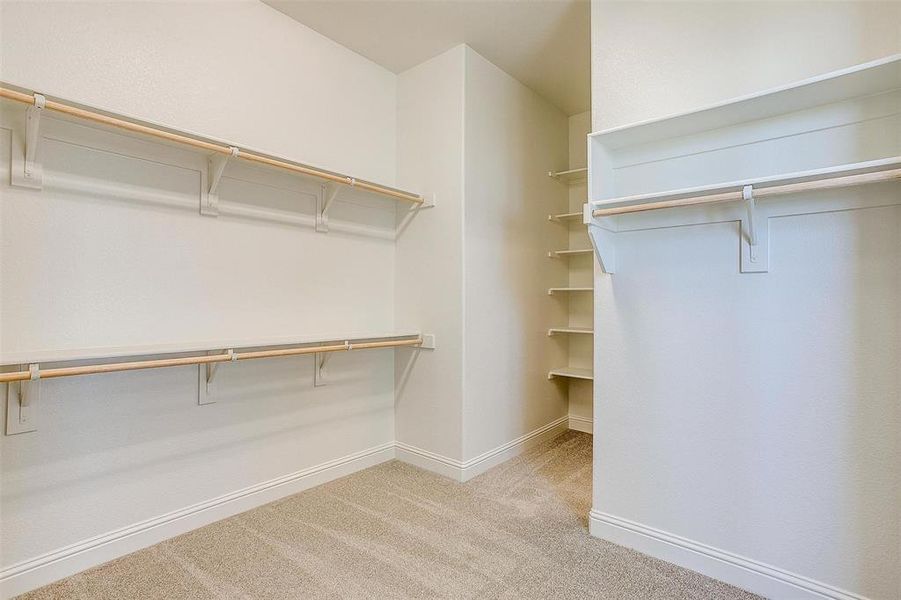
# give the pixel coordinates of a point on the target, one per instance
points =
(583, 424)
(483, 462)
(466, 470)
(746, 573)
(430, 461)
(49, 567)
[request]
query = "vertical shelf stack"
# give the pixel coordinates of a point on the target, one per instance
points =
(577, 333)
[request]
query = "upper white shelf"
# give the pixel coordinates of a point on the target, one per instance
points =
(220, 149)
(105, 352)
(848, 117)
(570, 177)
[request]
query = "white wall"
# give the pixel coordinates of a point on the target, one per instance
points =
(429, 286)
(753, 414)
(513, 138)
(95, 268)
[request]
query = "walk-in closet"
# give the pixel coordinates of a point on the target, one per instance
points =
(492, 299)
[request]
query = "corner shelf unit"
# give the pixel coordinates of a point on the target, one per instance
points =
(571, 373)
(773, 154)
(575, 339)
(561, 290)
(568, 253)
(571, 176)
(565, 217)
(570, 330)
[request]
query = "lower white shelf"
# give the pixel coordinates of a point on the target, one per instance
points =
(571, 373)
(566, 253)
(556, 290)
(583, 330)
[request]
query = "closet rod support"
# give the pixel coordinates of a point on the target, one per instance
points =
(21, 402)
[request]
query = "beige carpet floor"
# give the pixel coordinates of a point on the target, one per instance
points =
(395, 531)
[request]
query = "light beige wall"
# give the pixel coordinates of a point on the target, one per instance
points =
(429, 284)
(513, 138)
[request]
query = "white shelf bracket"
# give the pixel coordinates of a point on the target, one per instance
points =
(27, 170)
(428, 341)
(21, 403)
(205, 375)
(602, 240)
(754, 236)
(209, 204)
(324, 202)
(320, 366)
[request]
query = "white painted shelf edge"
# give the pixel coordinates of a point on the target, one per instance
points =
(582, 330)
(864, 79)
(564, 216)
(564, 253)
(105, 352)
(571, 372)
(570, 176)
(554, 290)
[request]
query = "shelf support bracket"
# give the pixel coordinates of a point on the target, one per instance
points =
(206, 373)
(754, 236)
(27, 170)
(602, 240)
(21, 403)
(209, 204)
(320, 366)
(324, 202)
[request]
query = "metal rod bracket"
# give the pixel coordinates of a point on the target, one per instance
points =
(22, 398)
(209, 202)
(325, 198)
(320, 365)
(206, 373)
(27, 169)
(754, 236)
(602, 240)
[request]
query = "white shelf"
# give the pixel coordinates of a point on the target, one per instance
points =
(866, 79)
(566, 253)
(103, 352)
(571, 373)
(555, 290)
(565, 216)
(570, 177)
(574, 330)
(843, 120)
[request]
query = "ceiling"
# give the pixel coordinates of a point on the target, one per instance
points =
(545, 44)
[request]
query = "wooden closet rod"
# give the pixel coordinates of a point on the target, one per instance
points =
(775, 190)
(209, 146)
(198, 360)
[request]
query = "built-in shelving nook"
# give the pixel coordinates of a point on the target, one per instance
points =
(576, 333)
(798, 149)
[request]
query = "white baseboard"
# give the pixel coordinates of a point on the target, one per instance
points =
(748, 574)
(583, 424)
(52, 566)
(466, 470)
(47, 568)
